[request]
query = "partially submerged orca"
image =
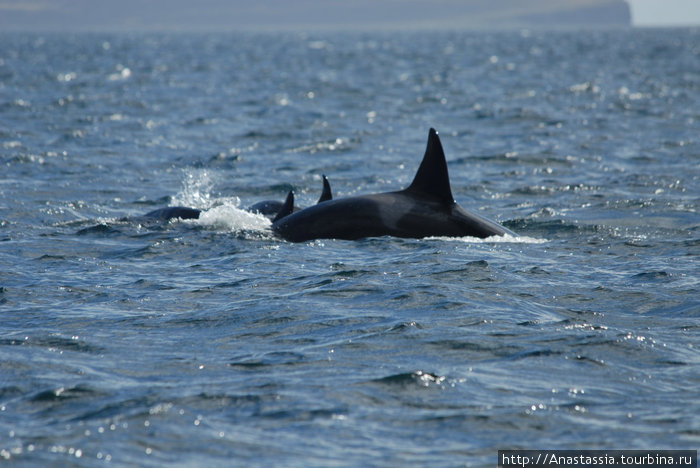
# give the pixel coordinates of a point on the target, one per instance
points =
(171, 212)
(425, 208)
(269, 208)
(273, 208)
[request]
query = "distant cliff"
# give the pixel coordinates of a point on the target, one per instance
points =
(601, 14)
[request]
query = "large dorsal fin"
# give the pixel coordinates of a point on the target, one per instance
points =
(326, 194)
(287, 208)
(432, 177)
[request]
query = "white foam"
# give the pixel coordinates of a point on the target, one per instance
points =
(504, 239)
(231, 218)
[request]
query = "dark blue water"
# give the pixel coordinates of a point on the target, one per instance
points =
(210, 342)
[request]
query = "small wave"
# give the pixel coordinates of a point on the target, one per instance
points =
(99, 230)
(417, 378)
(334, 145)
(64, 393)
(548, 225)
(54, 342)
(286, 358)
(652, 275)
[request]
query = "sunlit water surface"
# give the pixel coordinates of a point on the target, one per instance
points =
(209, 342)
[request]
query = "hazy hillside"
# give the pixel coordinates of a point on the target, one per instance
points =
(232, 15)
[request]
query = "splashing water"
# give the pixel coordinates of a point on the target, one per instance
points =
(196, 188)
(220, 213)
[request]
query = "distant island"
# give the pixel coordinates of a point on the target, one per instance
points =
(310, 15)
(594, 14)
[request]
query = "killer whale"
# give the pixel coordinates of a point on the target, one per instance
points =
(269, 208)
(425, 208)
(171, 212)
(273, 208)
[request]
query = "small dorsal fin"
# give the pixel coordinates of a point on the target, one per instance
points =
(287, 208)
(432, 177)
(326, 194)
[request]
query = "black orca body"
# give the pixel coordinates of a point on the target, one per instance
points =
(425, 209)
(171, 212)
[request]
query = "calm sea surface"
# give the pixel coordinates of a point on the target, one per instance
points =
(210, 342)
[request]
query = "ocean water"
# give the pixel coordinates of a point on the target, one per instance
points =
(212, 343)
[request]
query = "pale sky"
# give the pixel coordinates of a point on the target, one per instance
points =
(665, 12)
